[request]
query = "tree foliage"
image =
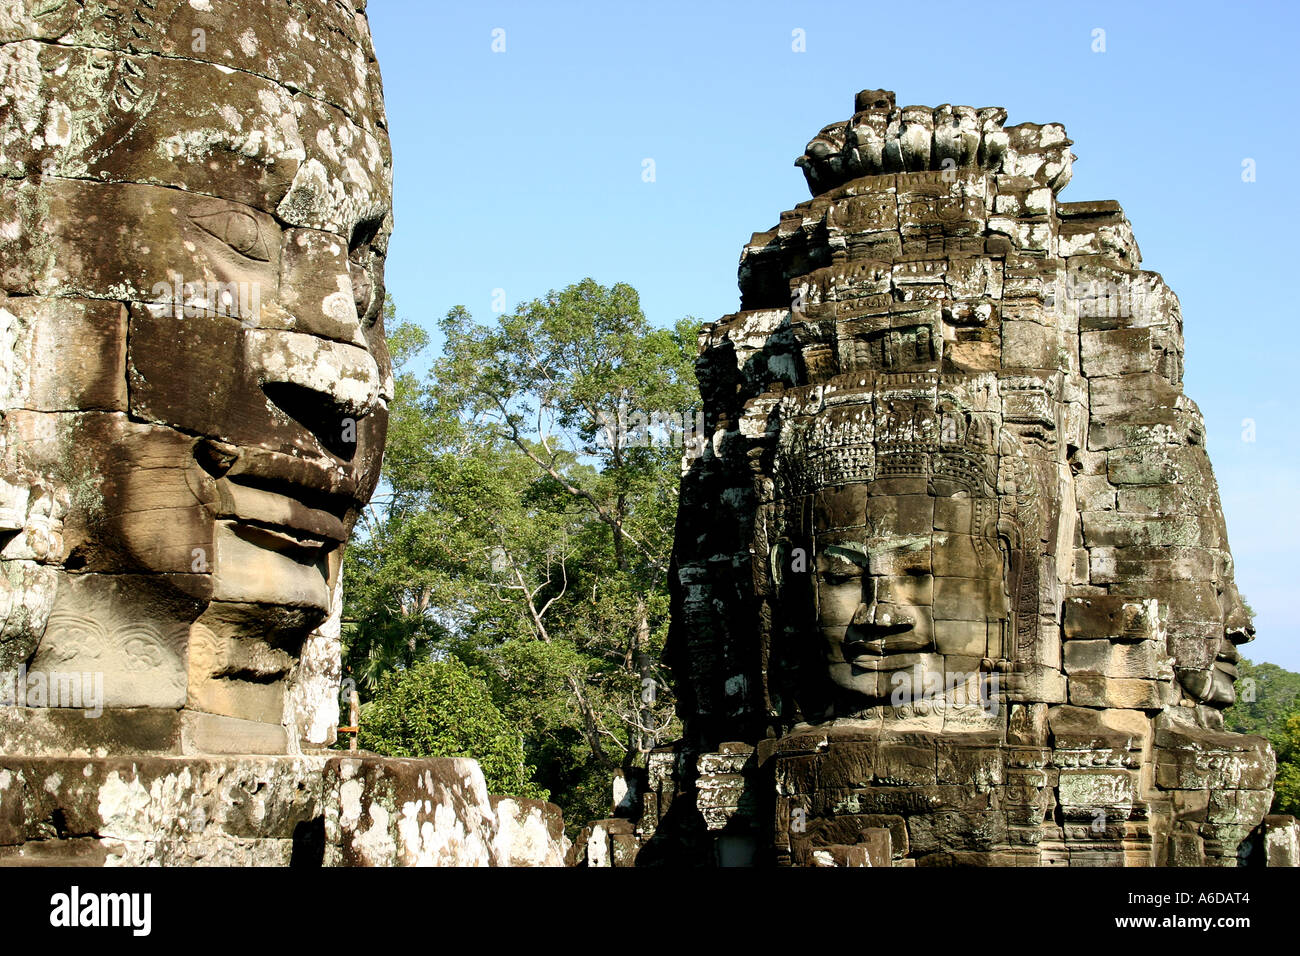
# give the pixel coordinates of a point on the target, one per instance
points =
(522, 531)
(1286, 787)
(1268, 704)
(440, 709)
(1266, 694)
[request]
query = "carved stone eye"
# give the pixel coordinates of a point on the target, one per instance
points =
(237, 229)
(366, 267)
(363, 289)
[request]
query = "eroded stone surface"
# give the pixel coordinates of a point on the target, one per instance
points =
(308, 810)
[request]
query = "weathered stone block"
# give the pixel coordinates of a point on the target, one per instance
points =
(1156, 465)
(901, 765)
(951, 831)
(1282, 840)
(1211, 769)
(1115, 352)
(1113, 565)
(1115, 397)
(264, 811)
(69, 354)
(1028, 345)
(1103, 658)
(1165, 500)
(1086, 691)
(1104, 529)
(1111, 616)
(1085, 792)
(981, 767)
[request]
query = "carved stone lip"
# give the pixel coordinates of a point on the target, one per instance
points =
(1227, 667)
(284, 502)
(281, 509)
(886, 643)
(260, 467)
(1228, 652)
(892, 660)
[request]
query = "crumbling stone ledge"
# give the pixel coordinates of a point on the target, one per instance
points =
(310, 810)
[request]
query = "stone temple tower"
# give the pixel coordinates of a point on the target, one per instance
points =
(951, 581)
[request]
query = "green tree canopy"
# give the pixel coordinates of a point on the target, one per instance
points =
(1286, 787)
(525, 526)
(1266, 695)
(1268, 704)
(440, 709)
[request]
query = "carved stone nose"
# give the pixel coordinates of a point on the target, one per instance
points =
(872, 614)
(865, 614)
(316, 287)
(325, 386)
(344, 376)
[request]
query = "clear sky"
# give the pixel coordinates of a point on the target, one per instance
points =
(521, 171)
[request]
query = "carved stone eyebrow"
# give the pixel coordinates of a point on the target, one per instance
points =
(852, 552)
(903, 545)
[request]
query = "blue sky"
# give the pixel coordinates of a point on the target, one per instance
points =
(522, 171)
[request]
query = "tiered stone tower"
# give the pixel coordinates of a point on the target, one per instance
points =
(952, 581)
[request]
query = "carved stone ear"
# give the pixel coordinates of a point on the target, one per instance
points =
(1022, 588)
(776, 557)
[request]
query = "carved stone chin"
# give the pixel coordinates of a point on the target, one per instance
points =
(966, 579)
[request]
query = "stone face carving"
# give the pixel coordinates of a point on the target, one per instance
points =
(195, 204)
(965, 585)
(195, 208)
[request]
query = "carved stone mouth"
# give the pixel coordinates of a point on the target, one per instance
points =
(257, 466)
(282, 511)
(298, 544)
(1227, 667)
(1225, 672)
(894, 658)
(884, 642)
(278, 501)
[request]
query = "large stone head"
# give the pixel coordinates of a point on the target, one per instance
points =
(196, 208)
(955, 547)
(888, 501)
(950, 437)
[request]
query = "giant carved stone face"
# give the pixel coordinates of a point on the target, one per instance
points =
(908, 585)
(892, 493)
(950, 442)
(192, 233)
